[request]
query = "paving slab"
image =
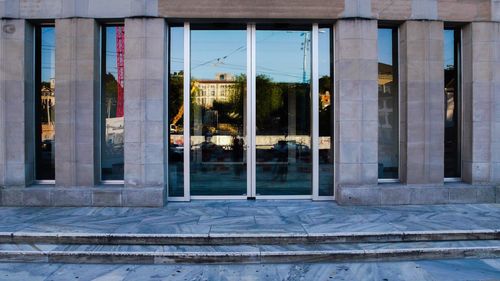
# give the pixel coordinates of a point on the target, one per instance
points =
(273, 216)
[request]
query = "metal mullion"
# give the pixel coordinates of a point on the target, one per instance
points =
(248, 126)
(253, 99)
(315, 112)
(186, 101)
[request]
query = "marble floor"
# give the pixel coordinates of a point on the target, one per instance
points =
(298, 216)
(436, 270)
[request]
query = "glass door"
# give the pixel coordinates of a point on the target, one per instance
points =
(249, 91)
(218, 115)
(283, 164)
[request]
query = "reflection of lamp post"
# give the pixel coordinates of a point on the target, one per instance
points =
(305, 48)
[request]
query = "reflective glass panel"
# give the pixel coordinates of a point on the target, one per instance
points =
(452, 159)
(388, 104)
(112, 97)
(326, 171)
(176, 112)
(283, 111)
(218, 112)
(45, 102)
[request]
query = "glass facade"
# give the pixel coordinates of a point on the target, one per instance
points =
(283, 111)
(326, 112)
(388, 104)
(218, 95)
(112, 98)
(45, 102)
(452, 104)
(176, 112)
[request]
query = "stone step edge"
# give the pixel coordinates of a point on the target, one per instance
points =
(246, 238)
(111, 257)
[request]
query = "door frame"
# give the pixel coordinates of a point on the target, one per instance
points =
(251, 119)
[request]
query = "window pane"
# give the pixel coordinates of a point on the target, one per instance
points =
(326, 171)
(218, 95)
(452, 167)
(45, 103)
(283, 117)
(112, 103)
(176, 113)
(388, 104)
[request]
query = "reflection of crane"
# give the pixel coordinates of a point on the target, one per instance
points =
(180, 113)
(120, 65)
(177, 117)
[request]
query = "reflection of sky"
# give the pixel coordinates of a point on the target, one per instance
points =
(385, 45)
(176, 49)
(217, 51)
(48, 53)
(111, 50)
(324, 52)
(449, 46)
(279, 53)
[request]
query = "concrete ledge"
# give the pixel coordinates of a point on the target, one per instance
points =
(250, 256)
(100, 196)
(401, 194)
(246, 238)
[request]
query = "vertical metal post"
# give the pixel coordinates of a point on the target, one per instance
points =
(315, 112)
(187, 100)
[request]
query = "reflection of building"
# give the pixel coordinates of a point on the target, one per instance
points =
(48, 103)
(325, 99)
(219, 89)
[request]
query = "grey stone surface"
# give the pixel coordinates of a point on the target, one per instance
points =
(77, 77)
(144, 106)
(356, 94)
(480, 98)
(401, 194)
(495, 10)
(105, 197)
(424, 9)
(285, 217)
(358, 8)
(50, 9)
(443, 270)
(421, 87)
(68, 197)
(16, 86)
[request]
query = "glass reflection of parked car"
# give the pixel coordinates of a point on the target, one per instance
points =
(302, 152)
(176, 152)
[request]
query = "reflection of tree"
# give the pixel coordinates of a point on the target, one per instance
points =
(269, 100)
(175, 96)
(110, 95)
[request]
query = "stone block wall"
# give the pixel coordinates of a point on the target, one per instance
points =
(145, 97)
(77, 72)
(355, 22)
(422, 102)
(16, 85)
(356, 99)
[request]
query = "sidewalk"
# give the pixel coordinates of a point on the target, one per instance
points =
(219, 217)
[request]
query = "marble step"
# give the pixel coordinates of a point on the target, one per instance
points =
(162, 254)
(246, 238)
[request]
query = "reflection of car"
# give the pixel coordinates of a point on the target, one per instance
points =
(176, 152)
(299, 148)
(281, 151)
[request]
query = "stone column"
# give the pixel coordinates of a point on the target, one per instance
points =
(422, 100)
(16, 104)
(356, 105)
(77, 80)
(481, 103)
(145, 111)
(495, 126)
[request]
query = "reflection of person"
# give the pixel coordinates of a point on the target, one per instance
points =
(237, 150)
(281, 152)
